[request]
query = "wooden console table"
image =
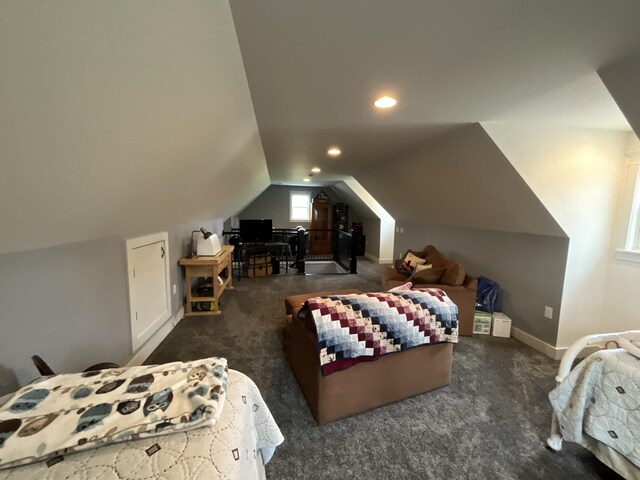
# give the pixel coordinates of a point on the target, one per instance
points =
(214, 267)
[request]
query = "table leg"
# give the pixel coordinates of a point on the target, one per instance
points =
(229, 263)
(187, 282)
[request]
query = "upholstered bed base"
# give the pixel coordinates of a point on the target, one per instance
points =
(366, 385)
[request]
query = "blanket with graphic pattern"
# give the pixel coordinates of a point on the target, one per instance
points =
(362, 327)
(66, 413)
(601, 398)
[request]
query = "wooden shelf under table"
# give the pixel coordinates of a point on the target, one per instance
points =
(208, 267)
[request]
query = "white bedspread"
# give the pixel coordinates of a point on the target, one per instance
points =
(601, 397)
(230, 450)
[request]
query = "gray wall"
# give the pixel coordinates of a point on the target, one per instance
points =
(372, 232)
(530, 268)
(274, 203)
(69, 304)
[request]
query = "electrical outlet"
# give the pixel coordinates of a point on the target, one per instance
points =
(548, 312)
(175, 289)
(397, 229)
(401, 229)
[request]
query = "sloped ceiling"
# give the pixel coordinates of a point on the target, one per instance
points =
(314, 69)
(353, 200)
(622, 79)
(121, 117)
(460, 179)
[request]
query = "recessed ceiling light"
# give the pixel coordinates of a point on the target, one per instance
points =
(334, 151)
(385, 102)
(316, 170)
(306, 179)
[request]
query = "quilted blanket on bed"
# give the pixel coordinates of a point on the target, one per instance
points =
(363, 327)
(235, 448)
(601, 398)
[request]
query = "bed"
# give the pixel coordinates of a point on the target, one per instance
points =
(236, 448)
(365, 385)
(597, 403)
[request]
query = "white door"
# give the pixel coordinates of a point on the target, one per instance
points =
(148, 262)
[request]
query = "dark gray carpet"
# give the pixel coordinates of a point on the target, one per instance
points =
(490, 423)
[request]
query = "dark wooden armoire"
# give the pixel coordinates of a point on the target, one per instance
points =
(321, 238)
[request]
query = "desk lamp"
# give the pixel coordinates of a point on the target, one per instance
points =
(208, 244)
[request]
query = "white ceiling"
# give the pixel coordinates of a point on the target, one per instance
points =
(314, 69)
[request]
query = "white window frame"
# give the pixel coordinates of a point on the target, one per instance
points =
(308, 216)
(629, 245)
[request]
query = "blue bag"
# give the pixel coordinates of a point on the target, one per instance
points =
(487, 294)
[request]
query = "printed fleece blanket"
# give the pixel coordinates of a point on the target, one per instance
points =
(68, 413)
(601, 398)
(363, 327)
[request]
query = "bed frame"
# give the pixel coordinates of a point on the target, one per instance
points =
(608, 456)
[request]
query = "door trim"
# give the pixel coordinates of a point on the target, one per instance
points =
(131, 245)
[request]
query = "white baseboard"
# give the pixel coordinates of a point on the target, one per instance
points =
(371, 257)
(537, 344)
(150, 345)
(556, 353)
(381, 261)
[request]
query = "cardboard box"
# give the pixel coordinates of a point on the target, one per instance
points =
(501, 325)
(482, 323)
(258, 270)
(258, 260)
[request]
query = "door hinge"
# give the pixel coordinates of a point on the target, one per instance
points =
(136, 316)
(134, 273)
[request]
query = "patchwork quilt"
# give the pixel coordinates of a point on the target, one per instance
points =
(362, 327)
(66, 413)
(601, 398)
(235, 448)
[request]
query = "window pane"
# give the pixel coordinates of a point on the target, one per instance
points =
(300, 208)
(298, 200)
(300, 213)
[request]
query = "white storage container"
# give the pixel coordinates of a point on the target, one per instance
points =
(501, 325)
(482, 323)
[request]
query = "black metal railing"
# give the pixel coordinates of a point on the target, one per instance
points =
(344, 252)
(307, 245)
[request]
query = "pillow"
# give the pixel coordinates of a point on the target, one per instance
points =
(420, 268)
(454, 275)
(409, 264)
(404, 286)
(427, 275)
(435, 258)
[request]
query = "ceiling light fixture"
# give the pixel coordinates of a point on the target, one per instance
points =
(306, 179)
(385, 102)
(316, 170)
(334, 151)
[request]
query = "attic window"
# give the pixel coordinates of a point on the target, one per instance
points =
(629, 245)
(299, 207)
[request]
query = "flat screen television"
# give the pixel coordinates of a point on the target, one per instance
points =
(256, 231)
